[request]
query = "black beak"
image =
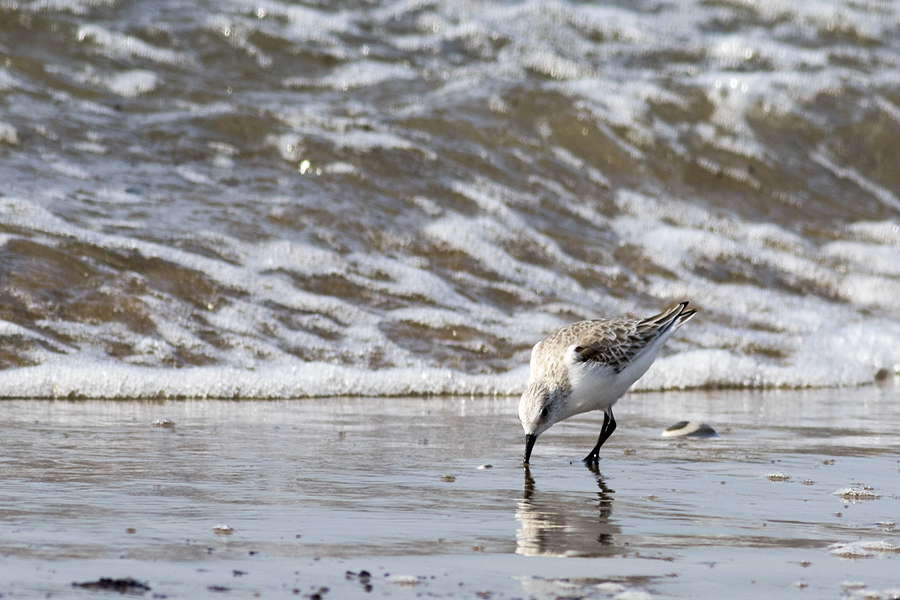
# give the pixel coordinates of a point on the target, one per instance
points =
(530, 439)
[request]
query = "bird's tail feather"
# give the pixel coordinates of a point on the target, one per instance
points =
(678, 315)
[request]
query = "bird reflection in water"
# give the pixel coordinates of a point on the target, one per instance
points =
(566, 523)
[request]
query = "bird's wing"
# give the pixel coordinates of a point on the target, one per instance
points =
(612, 343)
(616, 342)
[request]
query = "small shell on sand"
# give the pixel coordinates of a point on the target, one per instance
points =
(689, 429)
(857, 493)
(405, 580)
(863, 549)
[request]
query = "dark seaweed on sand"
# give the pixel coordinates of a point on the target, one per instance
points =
(109, 584)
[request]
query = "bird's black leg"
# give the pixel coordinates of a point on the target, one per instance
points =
(609, 425)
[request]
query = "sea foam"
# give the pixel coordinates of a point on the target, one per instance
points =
(276, 200)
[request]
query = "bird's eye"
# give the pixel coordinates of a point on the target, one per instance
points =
(544, 412)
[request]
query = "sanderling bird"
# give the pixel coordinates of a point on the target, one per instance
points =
(588, 366)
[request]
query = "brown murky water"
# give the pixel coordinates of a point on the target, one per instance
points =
(314, 492)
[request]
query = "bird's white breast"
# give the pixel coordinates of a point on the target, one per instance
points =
(595, 386)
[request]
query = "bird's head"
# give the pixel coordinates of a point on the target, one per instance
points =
(538, 410)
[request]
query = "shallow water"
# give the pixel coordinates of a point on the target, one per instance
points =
(315, 488)
(231, 199)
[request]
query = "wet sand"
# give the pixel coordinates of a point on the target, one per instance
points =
(385, 497)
